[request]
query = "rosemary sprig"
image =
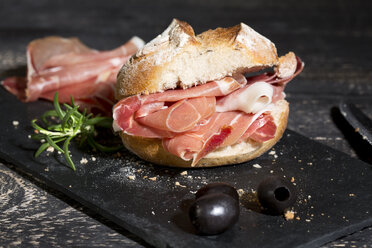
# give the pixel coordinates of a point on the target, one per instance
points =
(67, 124)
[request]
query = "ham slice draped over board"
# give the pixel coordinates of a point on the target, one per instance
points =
(68, 66)
(195, 121)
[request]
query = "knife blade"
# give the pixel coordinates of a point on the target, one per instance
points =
(357, 119)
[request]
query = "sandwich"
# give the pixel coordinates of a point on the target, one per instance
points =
(212, 99)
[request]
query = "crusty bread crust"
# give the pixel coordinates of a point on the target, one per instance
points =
(152, 149)
(178, 58)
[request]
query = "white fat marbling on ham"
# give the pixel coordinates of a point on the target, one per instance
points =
(250, 99)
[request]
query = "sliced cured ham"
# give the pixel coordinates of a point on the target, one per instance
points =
(174, 118)
(193, 122)
(72, 69)
(192, 145)
(127, 107)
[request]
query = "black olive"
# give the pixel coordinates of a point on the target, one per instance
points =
(214, 213)
(217, 188)
(276, 194)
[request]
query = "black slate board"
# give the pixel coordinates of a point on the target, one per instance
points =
(334, 189)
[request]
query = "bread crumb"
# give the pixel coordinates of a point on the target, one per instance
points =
(152, 178)
(240, 192)
(307, 220)
(183, 173)
(59, 152)
(131, 177)
(83, 161)
(178, 184)
(289, 215)
(94, 159)
(152, 212)
(15, 123)
(309, 197)
(298, 218)
(50, 149)
(257, 166)
(271, 171)
(139, 170)
(275, 156)
(310, 163)
(357, 129)
(145, 177)
(70, 186)
(29, 136)
(42, 141)
(351, 195)
(292, 179)
(46, 169)
(272, 153)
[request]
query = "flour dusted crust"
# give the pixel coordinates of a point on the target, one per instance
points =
(152, 149)
(178, 58)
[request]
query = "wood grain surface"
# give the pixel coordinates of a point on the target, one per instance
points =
(333, 38)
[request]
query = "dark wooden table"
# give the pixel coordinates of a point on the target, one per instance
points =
(333, 37)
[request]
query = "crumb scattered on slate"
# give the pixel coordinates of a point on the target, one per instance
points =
(292, 179)
(183, 173)
(152, 178)
(180, 185)
(131, 177)
(351, 195)
(240, 192)
(15, 123)
(83, 161)
(257, 166)
(289, 215)
(94, 159)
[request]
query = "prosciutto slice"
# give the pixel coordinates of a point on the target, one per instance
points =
(194, 144)
(127, 107)
(72, 69)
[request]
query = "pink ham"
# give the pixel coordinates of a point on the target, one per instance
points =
(264, 133)
(73, 58)
(260, 122)
(70, 76)
(174, 118)
(72, 69)
(193, 144)
(128, 107)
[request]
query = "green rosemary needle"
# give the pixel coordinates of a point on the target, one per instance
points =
(67, 124)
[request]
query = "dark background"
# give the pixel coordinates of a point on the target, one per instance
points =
(332, 37)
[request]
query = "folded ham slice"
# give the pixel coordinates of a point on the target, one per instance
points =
(194, 122)
(72, 69)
